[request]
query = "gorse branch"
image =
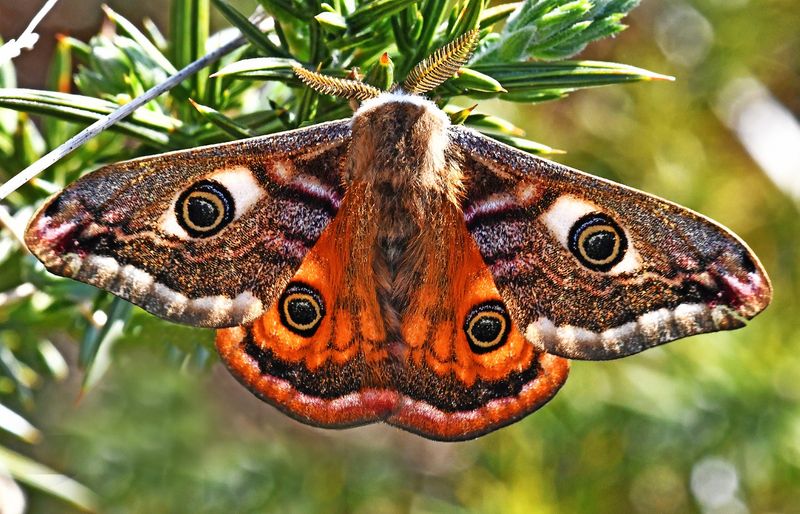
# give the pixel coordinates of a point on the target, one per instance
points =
(133, 84)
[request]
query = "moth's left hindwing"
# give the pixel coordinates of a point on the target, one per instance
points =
(590, 269)
(208, 236)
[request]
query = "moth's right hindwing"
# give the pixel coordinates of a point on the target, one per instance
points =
(208, 236)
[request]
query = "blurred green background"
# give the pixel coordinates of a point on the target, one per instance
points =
(706, 424)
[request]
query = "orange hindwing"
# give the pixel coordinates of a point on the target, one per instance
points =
(321, 353)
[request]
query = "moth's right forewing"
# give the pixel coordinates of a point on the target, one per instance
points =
(590, 269)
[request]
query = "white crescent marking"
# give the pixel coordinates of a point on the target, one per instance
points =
(568, 209)
(239, 181)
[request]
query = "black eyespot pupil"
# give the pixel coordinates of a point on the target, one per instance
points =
(487, 329)
(597, 242)
(301, 311)
(600, 245)
(205, 208)
(202, 212)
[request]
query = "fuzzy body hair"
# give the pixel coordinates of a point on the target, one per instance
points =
(401, 152)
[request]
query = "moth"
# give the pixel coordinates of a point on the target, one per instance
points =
(395, 267)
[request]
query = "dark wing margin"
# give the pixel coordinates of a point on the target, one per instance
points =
(681, 273)
(116, 228)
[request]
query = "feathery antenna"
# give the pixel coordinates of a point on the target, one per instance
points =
(441, 65)
(350, 89)
(426, 75)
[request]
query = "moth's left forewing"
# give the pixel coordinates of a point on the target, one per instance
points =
(590, 269)
(208, 236)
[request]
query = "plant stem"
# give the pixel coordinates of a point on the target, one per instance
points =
(103, 123)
